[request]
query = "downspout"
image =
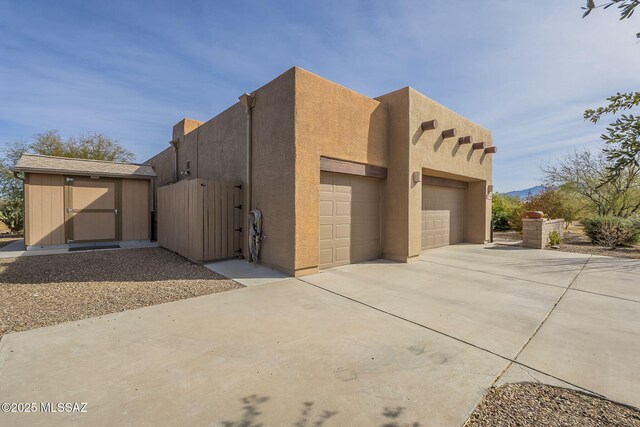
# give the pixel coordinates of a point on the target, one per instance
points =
(174, 143)
(249, 102)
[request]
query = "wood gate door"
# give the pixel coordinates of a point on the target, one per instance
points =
(91, 207)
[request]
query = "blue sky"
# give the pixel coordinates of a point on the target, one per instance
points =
(131, 69)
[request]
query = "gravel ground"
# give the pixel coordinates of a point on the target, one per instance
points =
(46, 290)
(574, 240)
(530, 404)
(507, 235)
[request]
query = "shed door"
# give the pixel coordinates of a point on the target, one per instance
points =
(91, 210)
(442, 216)
(349, 219)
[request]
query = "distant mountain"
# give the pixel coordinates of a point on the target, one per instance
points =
(523, 194)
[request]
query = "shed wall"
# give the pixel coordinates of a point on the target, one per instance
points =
(44, 209)
(136, 210)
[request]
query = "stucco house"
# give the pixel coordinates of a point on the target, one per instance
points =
(340, 177)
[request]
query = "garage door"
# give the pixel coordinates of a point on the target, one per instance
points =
(442, 216)
(349, 219)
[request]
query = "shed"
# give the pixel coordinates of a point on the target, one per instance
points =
(77, 201)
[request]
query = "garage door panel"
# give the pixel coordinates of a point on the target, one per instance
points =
(349, 219)
(342, 231)
(341, 184)
(342, 208)
(326, 207)
(326, 256)
(326, 232)
(442, 216)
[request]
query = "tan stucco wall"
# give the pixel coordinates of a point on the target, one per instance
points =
(396, 200)
(273, 170)
(221, 152)
(336, 122)
(299, 117)
(429, 150)
(215, 149)
(164, 165)
(413, 150)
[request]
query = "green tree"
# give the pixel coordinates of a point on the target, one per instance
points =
(554, 203)
(11, 190)
(94, 146)
(586, 176)
(626, 8)
(506, 212)
(623, 134)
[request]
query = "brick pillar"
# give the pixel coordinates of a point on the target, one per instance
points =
(532, 233)
(535, 231)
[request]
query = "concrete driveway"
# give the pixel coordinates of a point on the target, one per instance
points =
(378, 343)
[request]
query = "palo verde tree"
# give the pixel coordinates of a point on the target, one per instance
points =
(623, 134)
(626, 8)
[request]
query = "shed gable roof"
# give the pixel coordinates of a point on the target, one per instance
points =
(66, 165)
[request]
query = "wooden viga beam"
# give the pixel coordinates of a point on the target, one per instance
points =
(465, 140)
(491, 150)
(429, 125)
(478, 145)
(448, 133)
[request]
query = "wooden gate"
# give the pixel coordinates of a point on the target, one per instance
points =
(200, 219)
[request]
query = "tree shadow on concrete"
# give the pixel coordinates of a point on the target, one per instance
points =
(309, 415)
(394, 415)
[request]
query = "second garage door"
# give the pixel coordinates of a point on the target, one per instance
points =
(349, 219)
(442, 216)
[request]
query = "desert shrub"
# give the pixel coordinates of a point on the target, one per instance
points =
(612, 231)
(11, 215)
(553, 203)
(554, 238)
(506, 212)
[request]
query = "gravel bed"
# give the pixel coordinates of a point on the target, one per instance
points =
(530, 404)
(46, 290)
(574, 240)
(507, 235)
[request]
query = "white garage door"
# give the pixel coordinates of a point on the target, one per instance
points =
(442, 216)
(349, 219)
